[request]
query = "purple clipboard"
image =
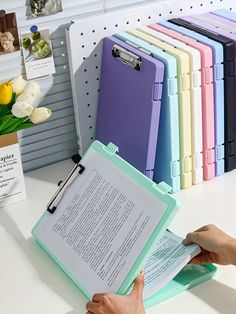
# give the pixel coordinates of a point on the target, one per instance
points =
(129, 103)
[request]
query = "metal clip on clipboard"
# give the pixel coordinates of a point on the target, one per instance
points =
(127, 57)
(52, 205)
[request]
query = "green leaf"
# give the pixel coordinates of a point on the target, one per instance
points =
(4, 121)
(5, 109)
(12, 125)
(23, 126)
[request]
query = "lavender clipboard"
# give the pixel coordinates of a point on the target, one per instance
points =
(129, 103)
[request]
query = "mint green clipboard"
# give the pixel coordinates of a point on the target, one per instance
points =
(160, 191)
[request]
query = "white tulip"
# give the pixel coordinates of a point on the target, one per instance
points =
(40, 115)
(27, 98)
(18, 85)
(21, 109)
(33, 89)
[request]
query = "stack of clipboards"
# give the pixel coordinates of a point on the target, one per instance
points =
(168, 98)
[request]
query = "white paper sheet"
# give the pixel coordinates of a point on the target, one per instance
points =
(166, 262)
(101, 225)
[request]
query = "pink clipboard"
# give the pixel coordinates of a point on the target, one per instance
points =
(207, 98)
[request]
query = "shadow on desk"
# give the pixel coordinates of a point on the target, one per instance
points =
(45, 268)
(217, 295)
(53, 173)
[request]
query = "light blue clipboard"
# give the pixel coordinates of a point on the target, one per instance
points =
(230, 15)
(167, 166)
(218, 59)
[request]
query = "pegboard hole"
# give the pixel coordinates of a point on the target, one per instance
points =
(85, 70)
(87, 93)
(97, 78)
(91, 138)
(83, 46)
(90, 116)
(95, 55)
(88, 105)
(104, 28)
(90, 127)
(82, 34)
(138, 20)
(94, 43)
(181, 10)
(86, 82)
(84, 58)
(116, 25)
(96, 67)
(149, 17)
(93, 31)
(191, 7)
(127, 22)
(170, 12)
(160, 14)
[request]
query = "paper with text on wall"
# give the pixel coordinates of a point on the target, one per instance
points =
(38, 53)
(101, 225)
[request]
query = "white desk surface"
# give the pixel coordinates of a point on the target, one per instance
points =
(31, 283)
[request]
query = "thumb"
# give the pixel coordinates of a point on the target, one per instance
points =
(138, 286)
(192, 237)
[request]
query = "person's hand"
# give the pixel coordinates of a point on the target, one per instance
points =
(116, 304)
(217, 247)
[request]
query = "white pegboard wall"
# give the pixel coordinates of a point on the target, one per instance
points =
(56, 138)
(84, 40)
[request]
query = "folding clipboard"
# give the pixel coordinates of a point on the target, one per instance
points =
(118, 166)
(229, 81)
(218, 78)
(129, 103)
(227, 28)
(167, 166)
(184, 103)
(196, 98)
(230, 15)
(208, 125)
(218, 21)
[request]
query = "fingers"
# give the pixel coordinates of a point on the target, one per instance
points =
(138, 286)
(98, 296)
(204, 228)
(91, 307)
(195, 237)
(192, 237)
(202, 258)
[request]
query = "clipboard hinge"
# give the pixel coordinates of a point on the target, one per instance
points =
(163, 188)
(111, 148)
(63, 185)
